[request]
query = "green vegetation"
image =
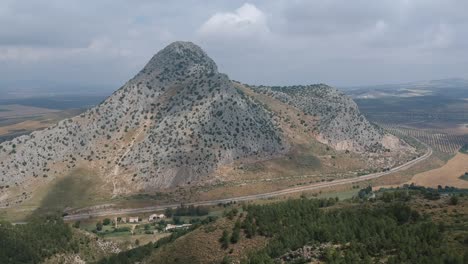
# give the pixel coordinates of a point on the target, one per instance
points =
(224, 240)
(464, 176)
(35, 241)
(412, 224)
(236, 233)
(358, 234)
(464, 149)
(403, 225)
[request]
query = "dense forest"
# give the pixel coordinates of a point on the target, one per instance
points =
(35, 241)
(391, 232)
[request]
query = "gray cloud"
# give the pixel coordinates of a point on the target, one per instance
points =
(273, 42)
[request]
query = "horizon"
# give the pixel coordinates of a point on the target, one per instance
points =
(255, 42)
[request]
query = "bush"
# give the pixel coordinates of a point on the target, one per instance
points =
(106, 221)
(76, 224)
(99, 226)
(453, 200)
(224, 239)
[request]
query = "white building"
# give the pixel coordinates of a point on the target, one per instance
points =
(170, 227)
(133, 219)
(155, 217)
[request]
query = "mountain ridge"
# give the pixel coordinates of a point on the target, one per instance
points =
(175, 124)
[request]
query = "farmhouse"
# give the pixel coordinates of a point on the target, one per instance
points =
(133, 219)
(155, 217)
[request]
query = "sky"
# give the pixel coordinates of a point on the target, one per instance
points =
(102, 44)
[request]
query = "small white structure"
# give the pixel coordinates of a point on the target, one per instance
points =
(171, 227)
(133, 219)
(155, 217)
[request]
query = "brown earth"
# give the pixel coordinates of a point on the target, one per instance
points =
(447, 175)
(22, 110)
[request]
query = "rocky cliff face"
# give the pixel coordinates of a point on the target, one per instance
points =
(340, 124)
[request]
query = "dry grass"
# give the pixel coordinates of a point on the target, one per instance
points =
(29, 125)
(308, 160)
(32, 119)
(437, 160)
(77, 189)
(142, 239)
(447, 175)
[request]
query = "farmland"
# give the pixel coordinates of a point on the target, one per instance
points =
(22, 116)
(447, 175)
(442, 140)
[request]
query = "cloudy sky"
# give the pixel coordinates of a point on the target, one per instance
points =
(103, 43)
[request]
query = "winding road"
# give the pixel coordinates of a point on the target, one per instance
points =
(314, 186)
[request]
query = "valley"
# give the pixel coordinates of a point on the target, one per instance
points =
(229, 140)
(315, 157)
(247, 145)
(233, 132)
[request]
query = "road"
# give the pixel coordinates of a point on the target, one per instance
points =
(314, 186)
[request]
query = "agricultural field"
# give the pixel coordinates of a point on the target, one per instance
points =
(22, 116)
(447, 175)
(443, 140)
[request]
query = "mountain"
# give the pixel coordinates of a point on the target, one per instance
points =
(178, 122)
(340, 124)
(453, 88)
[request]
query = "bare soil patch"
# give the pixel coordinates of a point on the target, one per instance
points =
(447, 175)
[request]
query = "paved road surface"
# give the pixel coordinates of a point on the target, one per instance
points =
(314, 186)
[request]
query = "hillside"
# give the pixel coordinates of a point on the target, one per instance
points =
(179, 122)
(339, 124)
(409, 225)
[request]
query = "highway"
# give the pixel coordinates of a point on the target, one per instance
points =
(314, 186)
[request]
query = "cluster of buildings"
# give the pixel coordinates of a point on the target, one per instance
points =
(156, 217)
(151, 218)
(136, 219)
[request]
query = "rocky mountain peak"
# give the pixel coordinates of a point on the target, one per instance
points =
(180, 59)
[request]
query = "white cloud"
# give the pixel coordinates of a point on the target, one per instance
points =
(102, 46)
(276, 42)
(440, 37)
(246, 21)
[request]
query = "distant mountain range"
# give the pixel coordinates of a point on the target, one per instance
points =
(455, 88)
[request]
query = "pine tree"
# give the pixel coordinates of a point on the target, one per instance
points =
(224, 239)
